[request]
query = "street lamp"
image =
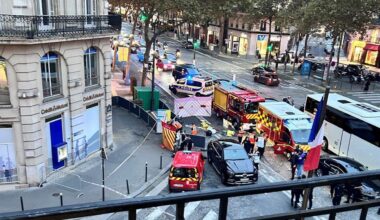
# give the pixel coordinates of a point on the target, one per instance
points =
(154, 54)
(103, 155)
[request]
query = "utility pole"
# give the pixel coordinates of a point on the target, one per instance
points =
(153, 66)
(306, 195)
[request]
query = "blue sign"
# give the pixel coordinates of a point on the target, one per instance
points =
(306, 68)
(261, 37)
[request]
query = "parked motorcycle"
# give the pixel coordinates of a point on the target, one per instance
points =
(340, 71)
(357, 79)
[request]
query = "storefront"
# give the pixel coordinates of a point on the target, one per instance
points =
(371, 54)
(91, 129)
(238, 45)
(356, 51)
(261, 44)
(8, 170)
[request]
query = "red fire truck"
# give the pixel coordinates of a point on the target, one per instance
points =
(237, 104)
(285, 126)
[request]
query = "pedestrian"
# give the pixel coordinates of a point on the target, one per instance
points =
(296, 194)
(247, 145)
(194, 130)
(240, 134)
(311, 197)
(260, 145)
(300, 162)
(332, 188)
(350, 190)
(338, 193)
(293, 163)
(256, 160)
(7, 174)
(366, 85)
(187, 144)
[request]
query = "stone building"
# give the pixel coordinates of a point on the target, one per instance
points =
(55, 95)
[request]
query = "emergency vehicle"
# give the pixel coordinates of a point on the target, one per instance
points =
(186, 172)
(198, 86)
(285, 126)
(237, 104)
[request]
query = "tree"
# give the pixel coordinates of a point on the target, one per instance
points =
(267, 11)
(339, 16)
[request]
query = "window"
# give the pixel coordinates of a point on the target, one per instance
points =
(71, 7)
(263, 25)
(4, 90)
(237, 25)
(51, 80)
(91, 75)
(277, 28)
(243, 26)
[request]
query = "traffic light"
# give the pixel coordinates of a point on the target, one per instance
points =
(143, 16)
(197, 44)
(270, 47)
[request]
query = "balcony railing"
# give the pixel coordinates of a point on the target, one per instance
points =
(36, 27)
(223, 195)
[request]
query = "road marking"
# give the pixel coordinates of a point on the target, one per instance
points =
(190, 208)
(156, 213)
(156, 190)
(211, 215)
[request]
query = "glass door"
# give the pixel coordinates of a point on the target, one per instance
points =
(46, 10)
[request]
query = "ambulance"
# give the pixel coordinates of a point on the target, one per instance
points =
(285, 126)
(186, 172)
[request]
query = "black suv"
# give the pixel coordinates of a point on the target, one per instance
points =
(231, 162)
(188, 69)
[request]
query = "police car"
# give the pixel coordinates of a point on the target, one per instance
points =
(198, 86)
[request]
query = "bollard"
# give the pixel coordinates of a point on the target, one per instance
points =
(61, 198)
(22, 203)
(126, 181)
(161, 162)
(146, 171)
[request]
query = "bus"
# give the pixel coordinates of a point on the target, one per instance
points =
(352, 128)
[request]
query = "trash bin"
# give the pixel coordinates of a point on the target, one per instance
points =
(144, 94)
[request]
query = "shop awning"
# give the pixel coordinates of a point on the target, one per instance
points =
(372, 47)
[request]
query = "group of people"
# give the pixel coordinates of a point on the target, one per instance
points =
(252, 141)
(352, 191)
(297, 160)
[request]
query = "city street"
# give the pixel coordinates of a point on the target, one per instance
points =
(274, 167)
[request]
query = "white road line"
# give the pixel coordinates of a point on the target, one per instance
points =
(211, 215)
(156, 213)
(359, 92)
(190, 208)
(156, 190)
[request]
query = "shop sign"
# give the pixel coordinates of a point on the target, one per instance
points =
(261, 37)
(54, 108)
(92, 96)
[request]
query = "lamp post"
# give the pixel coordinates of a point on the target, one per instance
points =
(103, 155)
(153, 67)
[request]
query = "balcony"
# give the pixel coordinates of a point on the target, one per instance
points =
(21, 27)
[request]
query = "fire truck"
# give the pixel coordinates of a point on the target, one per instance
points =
(235, 103)
(285, 126)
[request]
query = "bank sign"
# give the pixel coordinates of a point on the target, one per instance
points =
(261, 37)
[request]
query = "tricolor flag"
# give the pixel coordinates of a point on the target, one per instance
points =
(315, 141)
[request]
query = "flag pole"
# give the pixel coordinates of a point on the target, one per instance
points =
(306, 195)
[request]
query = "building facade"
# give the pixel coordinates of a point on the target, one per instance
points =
(249, 38)
(365, 49)
(55, 95)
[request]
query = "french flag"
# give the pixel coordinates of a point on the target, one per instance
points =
(315, 141)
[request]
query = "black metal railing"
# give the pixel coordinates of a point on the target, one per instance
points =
(34, 27)
(223, 195)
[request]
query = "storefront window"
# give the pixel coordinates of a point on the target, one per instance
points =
(371, 57)
(51, 79)
(8, 168)
(357, 54)
(91, 74)
(4, 89)
(243, 46)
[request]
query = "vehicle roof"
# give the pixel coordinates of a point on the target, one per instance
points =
(202, 78)
(284, 111)
(361, 110)
(244, 93)
(186, 159)
(348, 163)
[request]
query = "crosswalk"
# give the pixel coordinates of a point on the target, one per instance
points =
(370, 97)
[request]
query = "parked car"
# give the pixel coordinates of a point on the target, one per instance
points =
(184, 70)
(368, 189)
(186, 172)
(269, 79)
(164, 64)
(231, 162)
(198, 86)
(188, 44)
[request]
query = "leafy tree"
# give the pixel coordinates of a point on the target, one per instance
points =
(339, 16)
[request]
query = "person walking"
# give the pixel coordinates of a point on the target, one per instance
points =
(247, 145)
(311, 197)
(338, 193)
(350, 190)
(187, 144)
(260, 145)
(295, 196)
(366, 85)
(293, 163)
(300, 162)
(240, 134)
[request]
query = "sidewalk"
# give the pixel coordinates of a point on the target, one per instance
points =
(82, 183)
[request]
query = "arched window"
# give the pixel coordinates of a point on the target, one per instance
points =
(4, 89)
(51, 79)
(91, 75)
